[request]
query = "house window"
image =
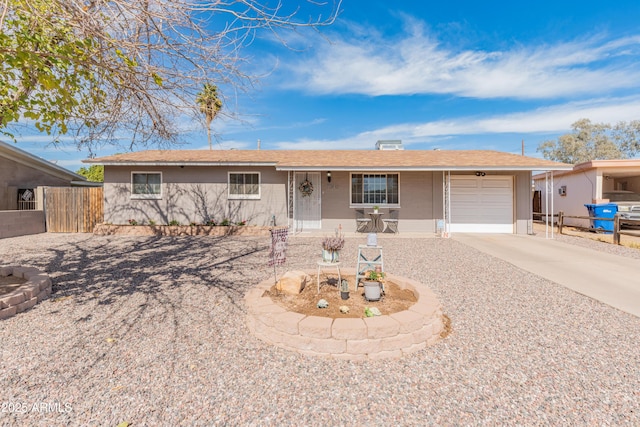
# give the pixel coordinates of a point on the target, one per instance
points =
(374, 189)
(146, 185)
(244, 185)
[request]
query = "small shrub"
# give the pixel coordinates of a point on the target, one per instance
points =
(211, 222)
(192, 224)
(241, 223)
(133, 222)
(225, 222)
(152, 222)
(174, 222)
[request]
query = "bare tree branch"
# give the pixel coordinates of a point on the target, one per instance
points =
(112, 69)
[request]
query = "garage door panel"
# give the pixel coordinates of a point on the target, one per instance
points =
(497, 198)
(495, 183)
(481, 204)
(462, 183)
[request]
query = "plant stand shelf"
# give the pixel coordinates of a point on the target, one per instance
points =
(368, 258)
(322, 265)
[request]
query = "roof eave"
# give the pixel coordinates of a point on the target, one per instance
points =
(421, 168)
(183, 163)
(25, 158)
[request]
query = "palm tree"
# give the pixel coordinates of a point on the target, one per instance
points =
(210, 105)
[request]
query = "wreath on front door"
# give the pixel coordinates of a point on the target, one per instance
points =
(306, 188)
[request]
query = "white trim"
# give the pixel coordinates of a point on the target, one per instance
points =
(378, 169)
(359, 169)
(244, 196)
(181, 163)
(146, 196)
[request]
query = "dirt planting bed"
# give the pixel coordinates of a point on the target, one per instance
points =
(395, 299)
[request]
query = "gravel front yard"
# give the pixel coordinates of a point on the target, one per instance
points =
(152, 331)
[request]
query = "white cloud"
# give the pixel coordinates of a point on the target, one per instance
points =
(418, 63)
(552, 119)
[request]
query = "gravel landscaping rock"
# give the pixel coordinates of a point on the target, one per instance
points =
(151, 330)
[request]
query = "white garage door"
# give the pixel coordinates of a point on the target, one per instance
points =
(482, 204)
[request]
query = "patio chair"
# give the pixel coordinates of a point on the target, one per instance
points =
(391, 223)
(363, 223)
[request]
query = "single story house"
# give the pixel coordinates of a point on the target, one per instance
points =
(597, 181)
(21, 173)
(432, 190)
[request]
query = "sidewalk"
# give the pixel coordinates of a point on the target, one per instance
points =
(608, 278)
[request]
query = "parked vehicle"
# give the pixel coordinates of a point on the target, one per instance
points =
(634, 214)
(628, 205)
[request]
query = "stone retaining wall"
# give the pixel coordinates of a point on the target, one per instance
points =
(181, 230)
(35, 289)
(377, 337)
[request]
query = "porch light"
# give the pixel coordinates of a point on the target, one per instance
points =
(480, 173)
(328, 176)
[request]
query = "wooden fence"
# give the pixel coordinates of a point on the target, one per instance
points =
(618, 224)
(73, 209)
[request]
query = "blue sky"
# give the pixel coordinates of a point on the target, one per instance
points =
(448, 75)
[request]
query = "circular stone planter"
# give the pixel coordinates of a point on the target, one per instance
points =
(35, 289)
(379, 337)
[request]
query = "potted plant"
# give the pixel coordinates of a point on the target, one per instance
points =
(344, 289)
(331, 246)
(373, 285)
(376, 209)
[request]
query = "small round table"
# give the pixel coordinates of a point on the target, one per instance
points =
(322, 264)
(376, 223)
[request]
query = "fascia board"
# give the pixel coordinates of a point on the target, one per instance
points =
(160, 164)
(419, 168)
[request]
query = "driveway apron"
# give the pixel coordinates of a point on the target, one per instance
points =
(611, 279)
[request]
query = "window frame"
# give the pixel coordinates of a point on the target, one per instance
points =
(146, 196)
(231, 196)
(362, 204)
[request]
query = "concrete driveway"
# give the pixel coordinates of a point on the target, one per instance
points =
(612, 279)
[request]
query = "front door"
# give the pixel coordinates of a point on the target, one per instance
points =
(306, 212)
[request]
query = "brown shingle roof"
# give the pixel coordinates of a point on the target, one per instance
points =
(339, 159)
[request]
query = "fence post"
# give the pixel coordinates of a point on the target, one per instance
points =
(560, 221)
(616, 229)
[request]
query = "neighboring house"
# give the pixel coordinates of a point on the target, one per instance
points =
(23, 178)
(597, 181)
(456, 191)
(21, 173)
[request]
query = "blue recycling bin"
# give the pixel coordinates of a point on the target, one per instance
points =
(602, 210)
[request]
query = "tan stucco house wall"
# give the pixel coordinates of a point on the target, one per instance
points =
(194, 194)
